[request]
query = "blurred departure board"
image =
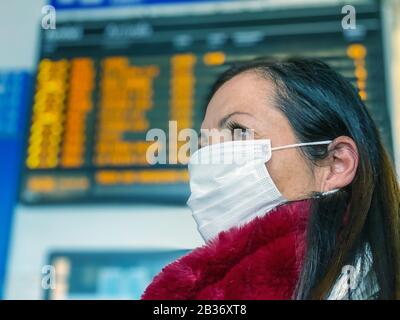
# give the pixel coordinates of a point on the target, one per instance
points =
(105, 275)
(102, 84)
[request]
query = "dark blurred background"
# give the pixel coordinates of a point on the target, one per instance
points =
(82, 213)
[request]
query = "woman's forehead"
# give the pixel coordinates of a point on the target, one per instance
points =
(244, 93)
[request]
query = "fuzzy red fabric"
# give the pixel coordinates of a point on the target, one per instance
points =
(260, 260)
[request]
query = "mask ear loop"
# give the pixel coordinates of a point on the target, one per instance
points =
(327, 193)
(304, 144)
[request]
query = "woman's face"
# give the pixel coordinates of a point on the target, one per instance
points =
(247, 100)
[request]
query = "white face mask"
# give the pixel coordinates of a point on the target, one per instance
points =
(230, 184)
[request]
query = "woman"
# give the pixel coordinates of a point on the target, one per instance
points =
(327, 223)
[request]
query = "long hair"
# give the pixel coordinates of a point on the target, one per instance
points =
(320, 104)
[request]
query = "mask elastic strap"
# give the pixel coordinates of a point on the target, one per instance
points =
(301, 145)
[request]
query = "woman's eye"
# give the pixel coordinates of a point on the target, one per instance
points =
(243, 134)
(240, 132)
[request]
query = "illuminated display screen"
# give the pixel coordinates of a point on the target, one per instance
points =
(101, 85)
(104, 275)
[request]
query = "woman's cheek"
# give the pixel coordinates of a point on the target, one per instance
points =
(291, 175)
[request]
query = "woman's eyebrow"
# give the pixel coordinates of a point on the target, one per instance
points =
(224, 120)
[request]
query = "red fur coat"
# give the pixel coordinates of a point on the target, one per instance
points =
(260, 260)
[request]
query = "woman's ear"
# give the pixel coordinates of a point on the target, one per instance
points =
(342, 166)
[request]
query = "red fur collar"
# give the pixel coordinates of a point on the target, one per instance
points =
(260, 260)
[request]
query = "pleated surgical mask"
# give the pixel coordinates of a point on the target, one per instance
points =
(230, 184)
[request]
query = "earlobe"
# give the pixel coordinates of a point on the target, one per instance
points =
(343, 164)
